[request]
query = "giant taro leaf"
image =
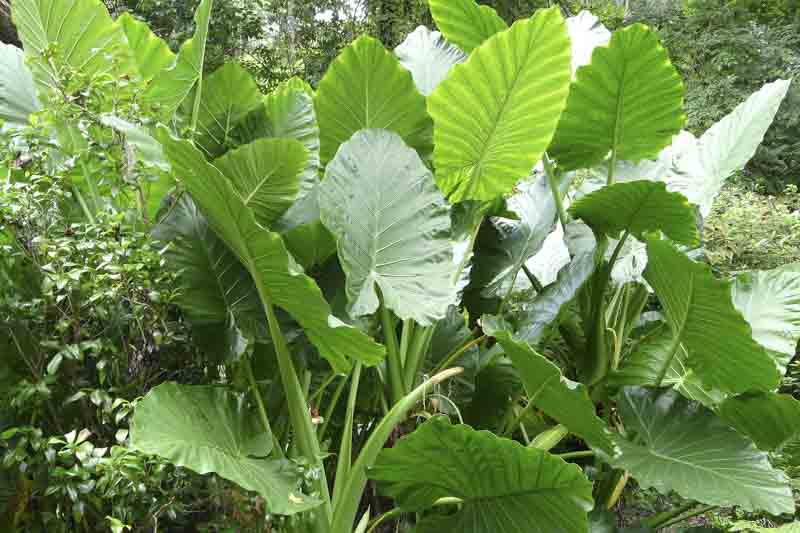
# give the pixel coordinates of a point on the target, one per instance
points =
(627, 101)
(275, 273)
(17, 90)
(465, 23)
(495, 115)
(675, 444)
(208, 429)
(770, 419)
(170, 87)
(700, 312)
(265, 173)
(227, 96)
(392, 226)
(366, 88)
(85, 38)
(151, 53)
(503, 485)
(770, 302)
(563, 400)
(639, 208)
(428, 57)
(217, 293)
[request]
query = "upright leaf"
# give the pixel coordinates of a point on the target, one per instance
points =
(170, 87)
(639, 208)
(503, 485)
(266, 174)
(151, 53)
(227, 96)
(367, 88)
(275, 273)
(17, 90)
(465, 23)
(83, 35)
(207, 429)
(565, 401)
(428, 57)
(627, 101)
(770, 419)
(392, 226)
(770, 302)
(700, 312)
(495, 114)
(674, 444)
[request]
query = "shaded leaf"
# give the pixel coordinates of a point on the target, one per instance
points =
(151, 53)
(770, 419)
(465, 23)
(17, 91)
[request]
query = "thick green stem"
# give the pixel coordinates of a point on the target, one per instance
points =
(337, 393)
(537, 285)
(659, 519)
(696, 512)
(552, 180)
(405, 338)
(549, 438)
(416, 353)
(346, 448)
(397, 386)
(576, 455)
(299, 415)
(458, 352)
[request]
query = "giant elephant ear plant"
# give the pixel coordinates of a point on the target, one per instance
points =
(350, 237)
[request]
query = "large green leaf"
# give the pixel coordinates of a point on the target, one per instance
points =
(700, 312)
(217, 294)
(365, 88)
(83, 35)
(228, 95)
(465, 23)
(701, 166)
(563, 400)
(275, 273)
(503, 485)
(17, 90)
(208, 429)
(639, 208)
(428, 57)
(392, 226)
(170, 87)
(151, 53)
(497, 267)
(305, 235)
(770, 302)
(675, 444)
(627, 101)
(495, 114)
(266, 174)
(770, 419)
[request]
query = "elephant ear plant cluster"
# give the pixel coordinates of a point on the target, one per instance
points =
(496, 226)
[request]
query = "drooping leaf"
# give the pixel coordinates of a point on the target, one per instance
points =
(702, 166)
(495, 114)
(565, 401)
(17, 91)
(516, 240)
(83, 35)
(428, 57)
(497, 384)
(208, 429)
(266, 175)
(503, 485)
(638, 207)
(586, 33)
(217, 293)
(770, 419)
(392, 226)
(770, 302)
(627, 101)
(228, 95)
(675, 444)
(700, 312)
(151, 53)
(367, 88)
(275, 273)
(170, 87)
(465, 23)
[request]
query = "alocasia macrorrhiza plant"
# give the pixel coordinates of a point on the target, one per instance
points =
(339, 244)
